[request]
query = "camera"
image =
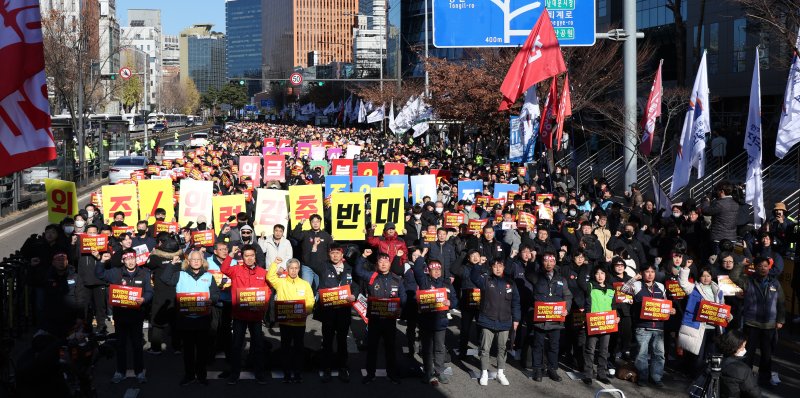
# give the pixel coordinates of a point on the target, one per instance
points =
(715, 364)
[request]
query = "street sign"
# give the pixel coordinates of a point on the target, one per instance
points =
(482, 23)
(296, 79)
(125, 73)
(250, 108)
(267, 103)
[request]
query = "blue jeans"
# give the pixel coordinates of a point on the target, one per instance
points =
(651, 354)
(308, 275)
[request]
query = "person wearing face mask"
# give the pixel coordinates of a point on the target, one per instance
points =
(737, 378)
(142, 237)
(469, 210)
(93, 290)
(548, 286)
(429, 215)
(433, 325)
(93, 216)
(80, 223)
(626, 239)
(697, 338)
(68, 225)
(160, 216)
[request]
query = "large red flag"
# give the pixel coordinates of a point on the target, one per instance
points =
(564, 110)
(539, 58)
(550, 109)
(25, 136)
(652, 111)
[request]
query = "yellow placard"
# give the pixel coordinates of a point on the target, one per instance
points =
(120, 198)
(224, 207)
(347, 216)
(388, 205)
(154, 194)
(305, 200)
(62, 199)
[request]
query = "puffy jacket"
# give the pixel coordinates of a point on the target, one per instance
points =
(380, 285)
(282, 250)
(493, 250)
(500, 306)
(639, 291)
(186, 281)
(737, 380)
(446, 254)
(140, 277)
(243, 277)
(436, 320)
(288, 289)
(764, 302)
(163, 294)
(85, 268)
(389, 245)
(549, 289)
(599, 299)
(723, 212)
(62, 305)
(306, 241)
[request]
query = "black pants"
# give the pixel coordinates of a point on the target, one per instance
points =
(761, 339)
(696, 364)
(221, 328)
(256, 346)
(195, 352)
(548, 349)
(468, 317)
(162, 320)
(335, 326)
(129, 332)
(96, 308)
(293, 348)
(574, 341)
(385, 329)
(621, 341)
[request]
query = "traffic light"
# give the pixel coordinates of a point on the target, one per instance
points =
(241, 82)
(321, 83)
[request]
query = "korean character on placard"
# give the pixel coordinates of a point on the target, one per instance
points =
(306, 206)
(347, 215)
(63, 201)
(390, 208)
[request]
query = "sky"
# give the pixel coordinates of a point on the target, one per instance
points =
(178, 14)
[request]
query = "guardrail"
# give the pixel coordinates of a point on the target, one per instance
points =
(586, 168)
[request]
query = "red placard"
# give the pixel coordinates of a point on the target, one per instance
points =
(274, 168)
(90, 242)
(384, 307)
(619, 296)
(481, 200)
(476, 226)
(713, 313)
(432, 300)
(601, 322)
(550, 312)
(335, 297)
(540, 197)
(497, 201)
(193, 304)
(428, 237)
(290, 310)
(674, 289)
(284, 142)
(117, 231)
(472, 298)
(360, 305)
(526, 220)
(251, 298)
(655, 309)
(440, 175)
(170, 227)
(392, 168)
(368, 168)
(270, 142)
(342, 167)
(250, 166)
(220, 279)
(153, 169)
(453, 220)
(203, 238)
(124, 296)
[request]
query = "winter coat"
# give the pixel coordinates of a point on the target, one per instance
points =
(690, 335)
(737, 380)
(140, 277)
(272, 251)
(306, 241)
(288, 289)
(500, 306)
(163, 310)
(436, 320)
(186, 281)
(723, 212)
(62, 303)
(389, 245)
(243, 277)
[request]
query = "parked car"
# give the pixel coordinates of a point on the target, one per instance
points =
(198, 139)
(35, 176)
(124, 166)
(159, 127)
(173, 151)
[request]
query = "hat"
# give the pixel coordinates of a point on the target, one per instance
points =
(434, 264)
(246, 228)
(335, 248)
(780, 206)
(389, 225)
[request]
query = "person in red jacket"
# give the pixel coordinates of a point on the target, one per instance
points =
(245, 276)
(390, 243)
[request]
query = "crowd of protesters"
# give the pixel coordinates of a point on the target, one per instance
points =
(592, 248)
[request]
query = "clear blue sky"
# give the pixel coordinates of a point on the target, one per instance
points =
(178, 14)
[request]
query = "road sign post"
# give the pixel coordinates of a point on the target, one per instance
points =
(296, 79)
(125, 73)
(494, 23)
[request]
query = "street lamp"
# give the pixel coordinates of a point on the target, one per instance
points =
(383, 37)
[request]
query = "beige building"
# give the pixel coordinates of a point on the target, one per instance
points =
(293, 28)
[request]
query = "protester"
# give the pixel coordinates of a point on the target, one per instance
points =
(737, 378)
(697, 338)
(599, 298)
(433, 325)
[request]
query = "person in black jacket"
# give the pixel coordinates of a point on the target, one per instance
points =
(443, 251)
(93, 291)
(162, 313)
(737, 378)
(468, 306)
(63, 309)
(489, 247)
(127, 321)
(433, 325)
(577, 273)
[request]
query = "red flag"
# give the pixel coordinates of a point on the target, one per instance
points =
(652, 111)
(539, 58)
(564, 110)
(25, 136)
(550, 110)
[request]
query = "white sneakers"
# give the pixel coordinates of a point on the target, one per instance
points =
(484, 380)
(501, 377)
(118, 377)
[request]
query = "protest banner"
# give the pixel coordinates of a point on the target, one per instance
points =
(601, 322)
(270, 142)
(142, 254)
(193, 304)
(387, 206)
(440, 175)
(251, 298)
(62, 199)
(472, 298)
(305, 200)
(120, 198)
(290, 310)
(384, 307)
(195, 201)
(169, 227)
(364, 184)
(619, 296)
(221, 279)
(286, 152)
(335, 297)
(271, 209)
(269, 150)
(481, 200)
(727, 286)
(334, 153)
(153, 169)
(422, 186)
(392, 168)
(284, 142)
(502, 190)
(303, 149)
(454, 220)
(124, 296)
(347, 216)
(526, 220)
(428, 237)
(360, 306)
(118, 231)
(91, 242)
(469, 188)
(322, 165)
(317, 153)
(203, 238)
(250, 166)
(713, 313)
(674, 289)
(550, 312)
(432, 300)
(225, 207)
(274, 168)
(155, 194)
(655, 309)
(540, 197)
(475, 227)
(334, 183)
(353, 151)
(368, 169)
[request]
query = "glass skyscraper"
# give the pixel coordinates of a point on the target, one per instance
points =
(243, 32)
(207, 61)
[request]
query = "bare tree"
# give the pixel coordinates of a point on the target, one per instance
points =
(780, 17)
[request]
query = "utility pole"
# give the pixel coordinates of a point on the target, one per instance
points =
(146, 105)
(427, 91)
(629, 69)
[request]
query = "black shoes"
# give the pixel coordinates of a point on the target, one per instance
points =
(553, 375)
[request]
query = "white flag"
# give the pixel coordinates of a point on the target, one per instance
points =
(392, 124)
(362, 112)
(693, 136)
(789, 126)
(377, 115)
(754, 189)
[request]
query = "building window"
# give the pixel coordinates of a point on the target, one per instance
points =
(652, 13)
(602, 8)
(713, 48)
(739, 43)
(763, 56)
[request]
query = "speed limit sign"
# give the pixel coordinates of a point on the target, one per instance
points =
(296, 79)
(125, 73)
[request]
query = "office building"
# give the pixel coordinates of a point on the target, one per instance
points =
(243, 42)
(144, 33)
(412, 15)
(369, 38)
(108, 50)
(202, 57)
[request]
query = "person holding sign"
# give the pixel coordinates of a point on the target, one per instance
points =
(297, 291)
(621, 342)
(468, 304)
(381, 284)
(599, 298)
(548, 287)
(247, 318)
(763, 313)
(649, 332)
(499, 313)
(127, 321)
(697, 337)
(93, 289)
(433, 325)
(196, 292)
